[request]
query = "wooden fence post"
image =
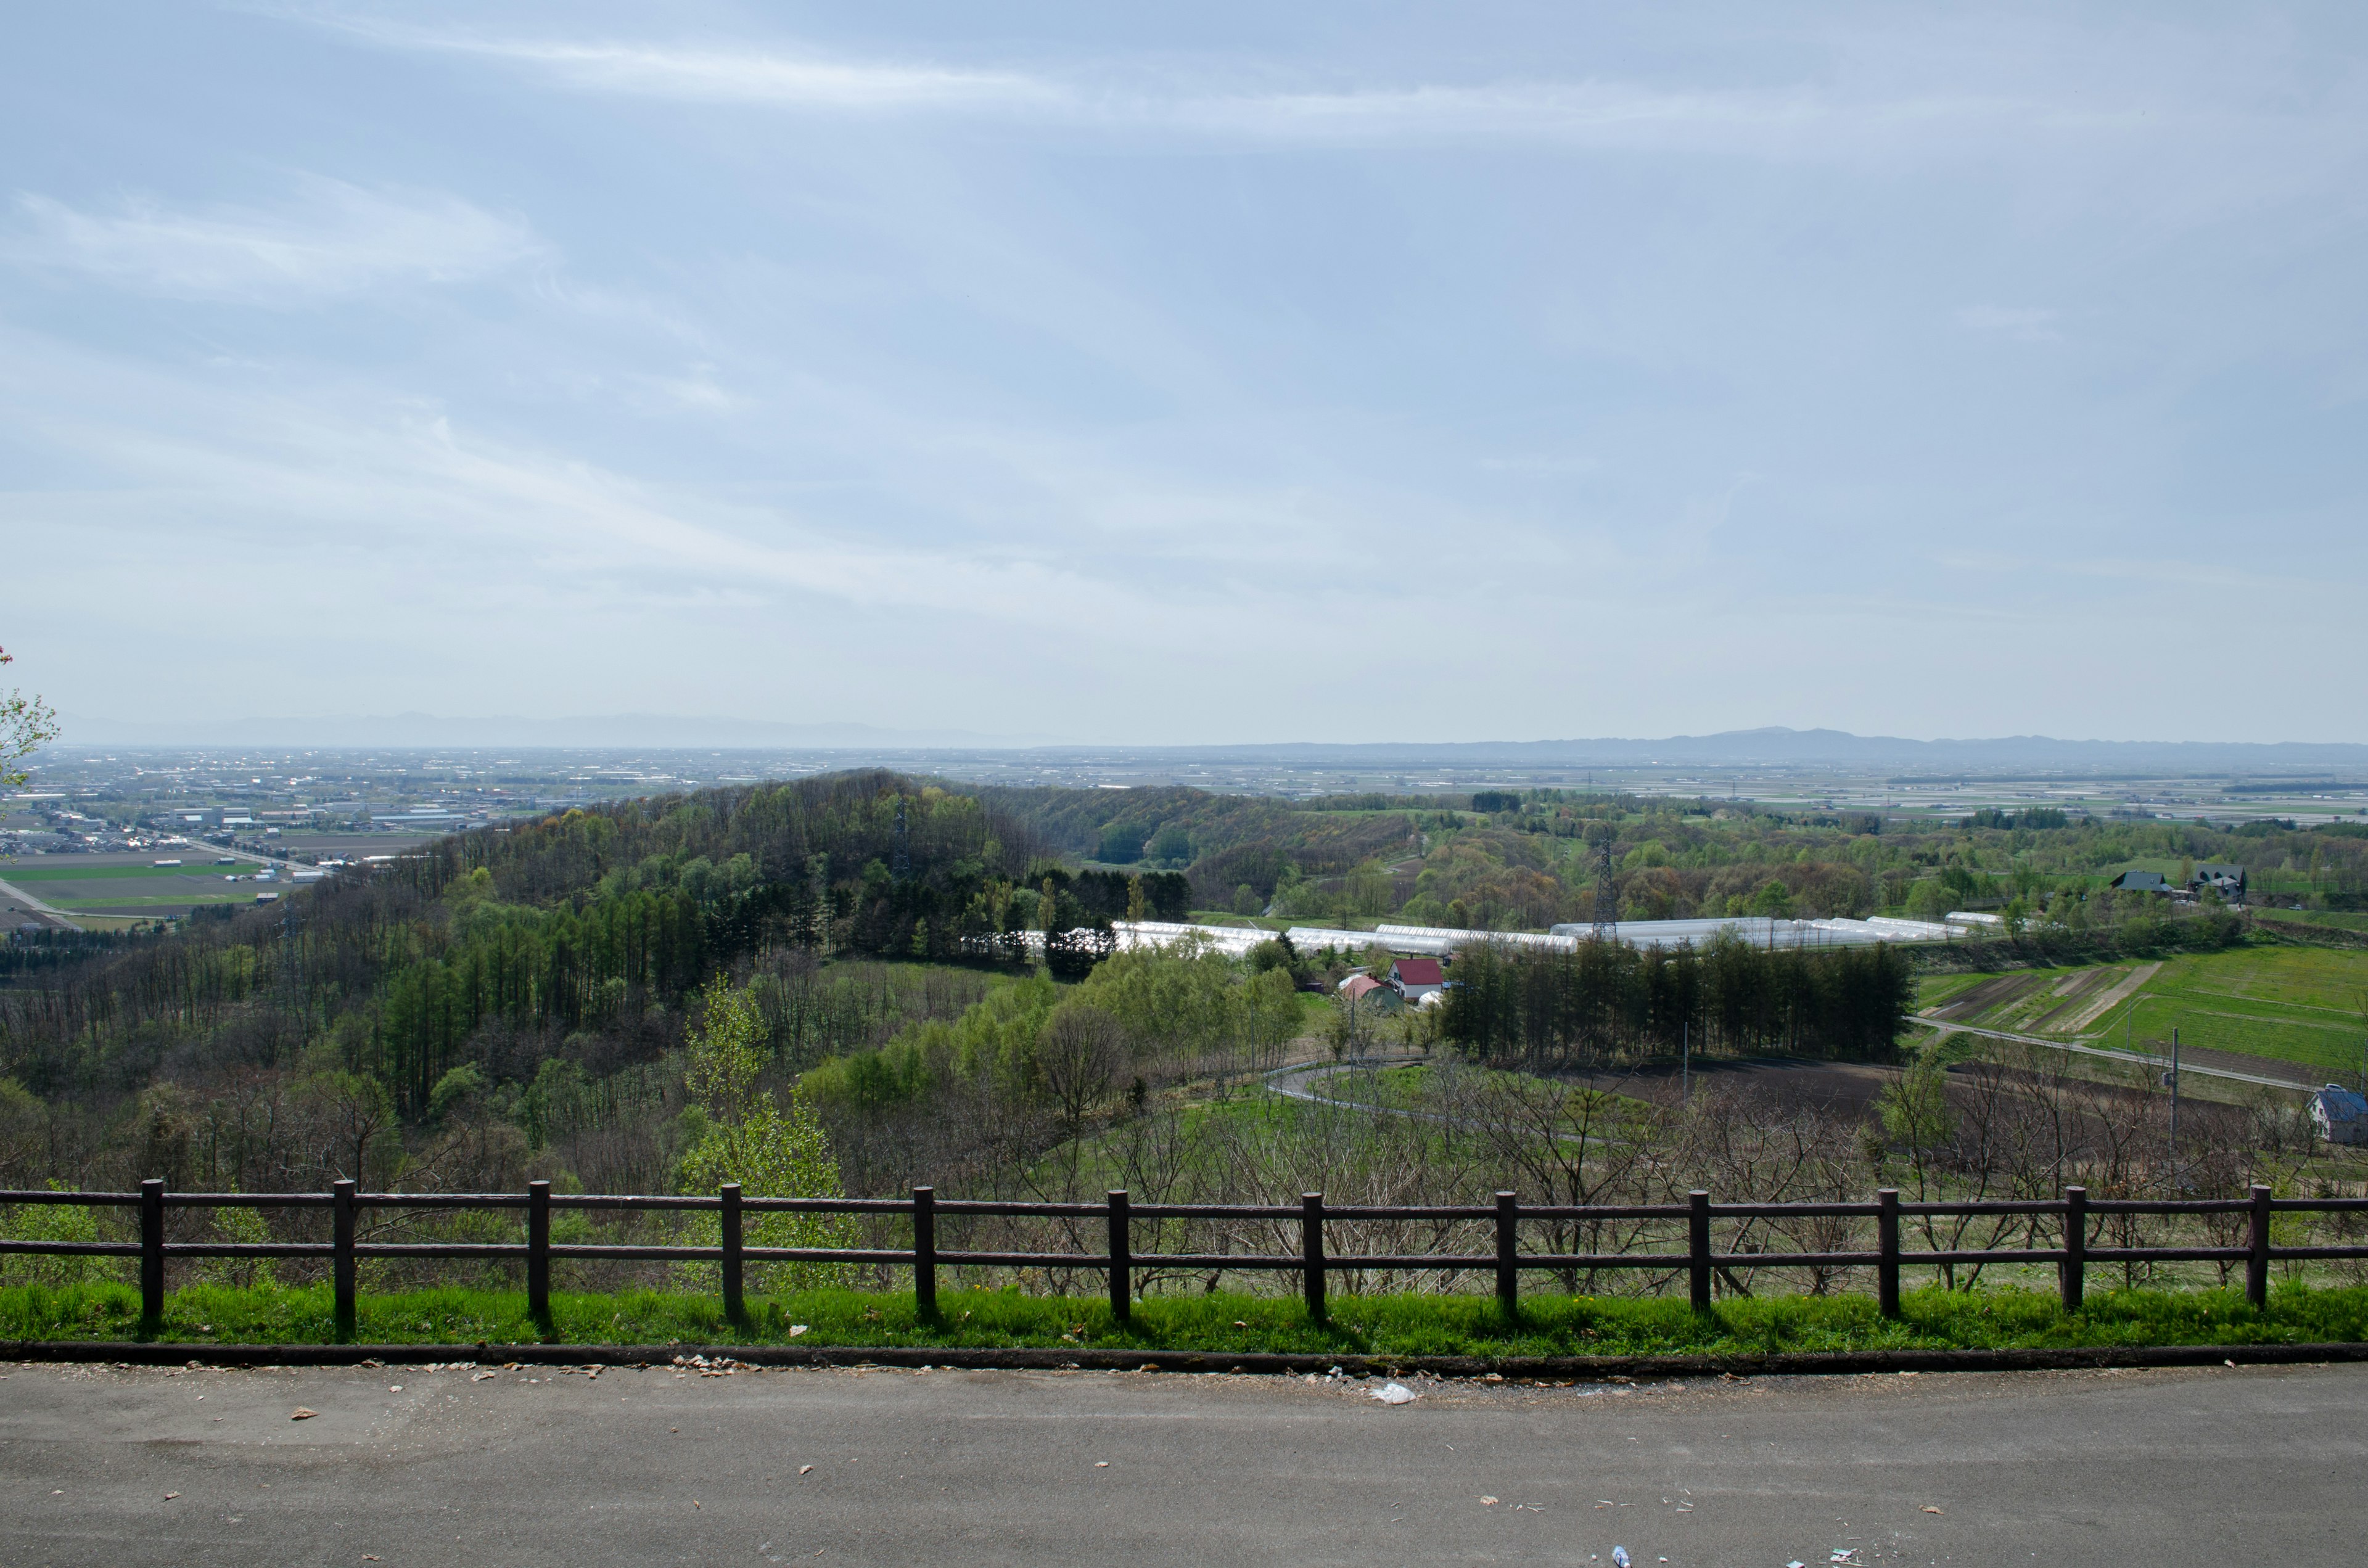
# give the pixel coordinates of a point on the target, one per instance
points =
(538, 1249)
(2257, 1262)
(925, 1252)
(1121, 1255)
(736, 1302)
(151, 1251)
(1698, 1248)
(1508, 1286)
(2072, 1274)
(341, 1252)
(1886, 1241)
(1310, 1248)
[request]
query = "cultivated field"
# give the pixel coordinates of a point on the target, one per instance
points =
(2297, 1005)
(131, 884)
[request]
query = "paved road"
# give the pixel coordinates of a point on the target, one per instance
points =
(33, 906)
(2292, 1076)
(2168, 1469)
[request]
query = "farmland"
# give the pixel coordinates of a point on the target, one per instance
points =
(129, 884)
(2297, 1005)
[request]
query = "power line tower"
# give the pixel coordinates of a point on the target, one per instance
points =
(1607, 896)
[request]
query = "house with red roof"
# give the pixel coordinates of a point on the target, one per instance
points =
(1415, 979)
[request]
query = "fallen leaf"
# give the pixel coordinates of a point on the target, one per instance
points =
(1930, 1510)
(1101, 1464)
(394, 1387)
(803, 1468)
(1239, 1323)
(170, 1496)
(1488, 1502)
(300, 1414)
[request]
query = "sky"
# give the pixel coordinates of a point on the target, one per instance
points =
(1191, 374)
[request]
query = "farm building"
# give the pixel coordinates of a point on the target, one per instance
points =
(2340, 1115)
(1415, 979)
(2142, 881)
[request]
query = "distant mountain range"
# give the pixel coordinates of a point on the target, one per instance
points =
(417, 730)
(1734, 748)
(1806, 748)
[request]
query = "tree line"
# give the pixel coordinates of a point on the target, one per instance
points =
(1542, 1007)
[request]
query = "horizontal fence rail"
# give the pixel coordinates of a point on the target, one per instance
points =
(2070, 1217)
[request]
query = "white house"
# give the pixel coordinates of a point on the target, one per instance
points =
(1417, 978)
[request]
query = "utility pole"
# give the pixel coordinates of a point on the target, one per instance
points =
(1607, 895)
(2174, 1102)
(1686, 1063)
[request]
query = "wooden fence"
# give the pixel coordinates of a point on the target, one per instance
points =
(2073, 1218)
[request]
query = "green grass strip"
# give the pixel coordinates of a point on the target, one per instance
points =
(1382, 1326)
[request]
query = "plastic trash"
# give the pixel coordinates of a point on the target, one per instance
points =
(1395, 1393)
(1620, 1557)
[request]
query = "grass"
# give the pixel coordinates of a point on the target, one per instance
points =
(160, 889)
(2336, 919)
(200, 870)
(2290, 1003)
(1381, 1325)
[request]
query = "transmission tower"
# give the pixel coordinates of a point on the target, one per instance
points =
(1607, 896)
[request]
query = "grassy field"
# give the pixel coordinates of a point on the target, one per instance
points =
(76, 883)
(1381, 1325)
(2335, 919)
(2292, 1004)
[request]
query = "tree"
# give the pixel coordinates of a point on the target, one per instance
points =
(772, 1150)
(27, 724)
(1083, 1050)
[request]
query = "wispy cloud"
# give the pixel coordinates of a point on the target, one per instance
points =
(736, 75)
(331, 239)
(1789, 120)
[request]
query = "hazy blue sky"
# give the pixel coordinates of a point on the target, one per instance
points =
(1202, 372)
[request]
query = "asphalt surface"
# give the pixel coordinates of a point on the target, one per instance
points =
(408, 1466)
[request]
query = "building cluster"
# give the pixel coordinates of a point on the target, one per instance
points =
(1411, 983)
(2222, 881)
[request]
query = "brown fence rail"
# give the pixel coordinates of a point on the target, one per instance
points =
(2071, 1216)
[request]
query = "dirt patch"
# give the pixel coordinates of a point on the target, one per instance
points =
(2301, 1074)
(2074, 993)
(1987, 994)
(1844, 1087)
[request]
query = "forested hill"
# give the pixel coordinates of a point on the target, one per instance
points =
(1227, 841)
(499, 944)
